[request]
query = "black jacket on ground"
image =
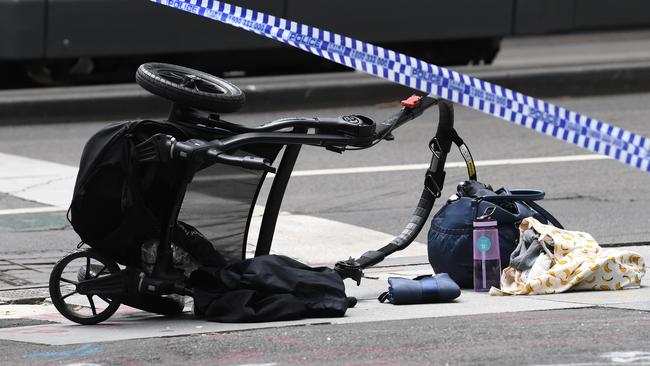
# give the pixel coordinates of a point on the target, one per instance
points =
(267, 288)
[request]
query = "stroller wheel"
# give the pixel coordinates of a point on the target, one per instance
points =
(73, 269)
(189, 87)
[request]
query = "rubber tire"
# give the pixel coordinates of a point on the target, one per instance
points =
(231, 100)
(55, 290)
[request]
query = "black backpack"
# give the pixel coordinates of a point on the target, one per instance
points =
(117, 202)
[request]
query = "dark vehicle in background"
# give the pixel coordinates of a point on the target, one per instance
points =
(77, 41)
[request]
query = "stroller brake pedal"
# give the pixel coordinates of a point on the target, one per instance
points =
(162, 286)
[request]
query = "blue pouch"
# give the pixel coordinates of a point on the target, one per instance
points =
(420, 290)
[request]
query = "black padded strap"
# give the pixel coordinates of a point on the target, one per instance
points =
(465, 153)
(408, 234)
(435, 177)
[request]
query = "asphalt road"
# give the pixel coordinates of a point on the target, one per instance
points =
(582, 337)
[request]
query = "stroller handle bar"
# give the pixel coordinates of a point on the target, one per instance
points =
(332, 133)
(407, 113)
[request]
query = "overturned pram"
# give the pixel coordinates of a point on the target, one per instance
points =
(156, 199)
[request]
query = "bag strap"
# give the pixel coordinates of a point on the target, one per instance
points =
(383, 297)
(545, 213)
(435, 147)
(516, 195)
(528, 196)
(465, 153)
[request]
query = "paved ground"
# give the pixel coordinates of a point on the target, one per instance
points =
(574, 49)
(603, 197)
(341, 205)
(577, 337)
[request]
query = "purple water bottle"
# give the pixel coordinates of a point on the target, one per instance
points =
(487, 259)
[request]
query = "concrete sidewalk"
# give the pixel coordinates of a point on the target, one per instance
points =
(130, 323)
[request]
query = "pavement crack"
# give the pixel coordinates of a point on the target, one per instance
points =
(584, 197)
(41, 184)
(42, 230)
(337, 210)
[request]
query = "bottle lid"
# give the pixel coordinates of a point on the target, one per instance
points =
(485, 223)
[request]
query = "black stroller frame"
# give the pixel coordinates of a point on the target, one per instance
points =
(112, 284)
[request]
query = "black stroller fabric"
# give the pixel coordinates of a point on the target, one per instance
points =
(198, 246)
(119, 203)
(108, 209)
(267, 288)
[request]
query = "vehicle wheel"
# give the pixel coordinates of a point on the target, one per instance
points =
(189, 87)
(67, 273)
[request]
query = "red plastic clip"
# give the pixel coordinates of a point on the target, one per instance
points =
(412, 101)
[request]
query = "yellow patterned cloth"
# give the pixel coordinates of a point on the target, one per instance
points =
(571, 260)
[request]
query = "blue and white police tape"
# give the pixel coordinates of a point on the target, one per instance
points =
(591, 134)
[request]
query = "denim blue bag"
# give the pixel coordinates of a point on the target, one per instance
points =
(450, 235)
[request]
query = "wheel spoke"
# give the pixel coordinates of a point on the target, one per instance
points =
(68, 281)
(106, 299)
(92, 304)
(87, 276)
(172, 76)
(100, 272)
(189, 83)
(178, 75)
(207, 86)
(68, 295)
